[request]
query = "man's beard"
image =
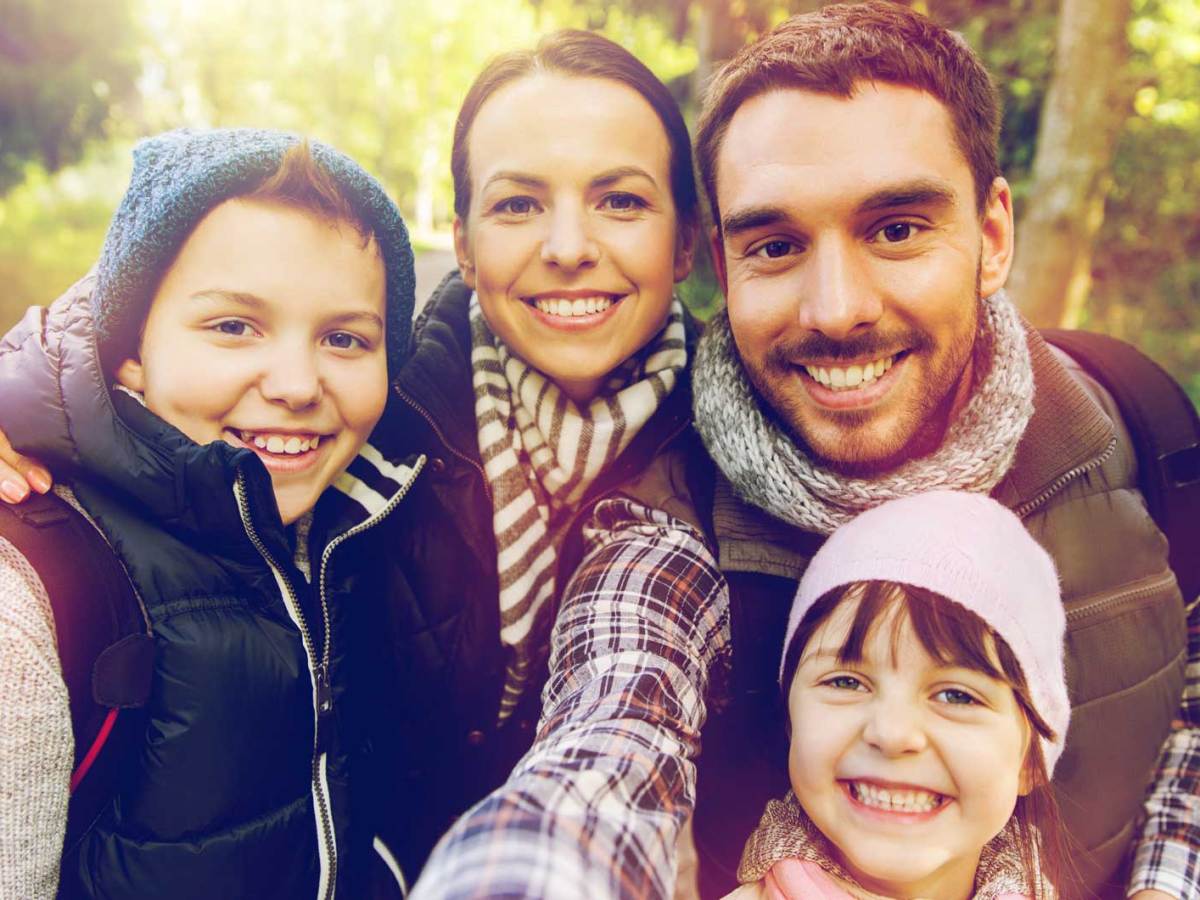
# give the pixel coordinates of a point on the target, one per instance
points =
(932, 407)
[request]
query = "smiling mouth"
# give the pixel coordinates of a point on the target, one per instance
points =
(849, 378)
(278, 444)
(574, 307)
(901, 800)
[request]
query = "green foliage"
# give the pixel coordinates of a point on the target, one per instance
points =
(383, 82)
(63, 66)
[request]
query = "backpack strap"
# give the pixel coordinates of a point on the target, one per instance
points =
(104, 643)
(1165, 430)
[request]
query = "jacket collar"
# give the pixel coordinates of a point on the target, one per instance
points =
(1068, 433)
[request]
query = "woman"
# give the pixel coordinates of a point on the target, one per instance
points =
(547, 372)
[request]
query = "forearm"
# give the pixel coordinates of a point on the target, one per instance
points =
(595, 808)
(1167, 855)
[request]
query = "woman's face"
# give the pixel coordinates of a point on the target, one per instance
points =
(571, 242)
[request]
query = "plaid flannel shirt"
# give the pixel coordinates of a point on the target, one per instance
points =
(1167, 857)
(594, 809)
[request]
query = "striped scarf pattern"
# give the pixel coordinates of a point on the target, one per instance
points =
(541, 452)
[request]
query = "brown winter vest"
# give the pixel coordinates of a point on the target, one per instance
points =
(1074, 485)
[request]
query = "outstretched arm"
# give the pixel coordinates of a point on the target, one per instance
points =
(1167, 858)
(594, 809)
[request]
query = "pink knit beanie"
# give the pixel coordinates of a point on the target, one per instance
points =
(973, 551)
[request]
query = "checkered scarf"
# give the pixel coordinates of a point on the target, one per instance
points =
(541, 452)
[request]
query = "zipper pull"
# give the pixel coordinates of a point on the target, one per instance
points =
(324, 691)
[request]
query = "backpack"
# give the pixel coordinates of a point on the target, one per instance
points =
(1165, 430)
(104, 644)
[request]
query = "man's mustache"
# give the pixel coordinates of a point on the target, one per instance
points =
(869, 345)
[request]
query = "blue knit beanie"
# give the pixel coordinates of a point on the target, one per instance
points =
(178, 178)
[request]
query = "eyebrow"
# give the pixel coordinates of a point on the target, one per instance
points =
(240, 298)
(920, 192)
(616, 174)
(255, 302)
(519, 177)
(751, 218)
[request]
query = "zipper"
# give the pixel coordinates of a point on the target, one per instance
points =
(441, 436)
(1061, 481)
(1146, 587)
(324, 696)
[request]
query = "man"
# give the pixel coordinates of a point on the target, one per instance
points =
(863, 236)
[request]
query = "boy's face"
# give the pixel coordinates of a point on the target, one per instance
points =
(907, 765)
(267, 332)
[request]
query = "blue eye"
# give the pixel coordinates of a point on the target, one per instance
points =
(232, 327)
(956, 697)
(843, 682)
(344, 340)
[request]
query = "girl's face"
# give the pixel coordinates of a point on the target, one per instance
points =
(907, 765)
(572, 241)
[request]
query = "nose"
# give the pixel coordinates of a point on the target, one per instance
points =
(569, 243)
(293, 377)
(894, 728)
(840, 296)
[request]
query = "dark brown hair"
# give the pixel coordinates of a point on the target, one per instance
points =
(832, 51)
(301, 184)
(581, 54)
(954, 636)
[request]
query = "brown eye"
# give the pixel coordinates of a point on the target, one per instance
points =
(896, 232)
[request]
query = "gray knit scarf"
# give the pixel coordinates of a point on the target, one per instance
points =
(541, 453)
(768, 469)
(786, 832)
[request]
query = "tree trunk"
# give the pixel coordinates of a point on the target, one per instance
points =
(1087, 102)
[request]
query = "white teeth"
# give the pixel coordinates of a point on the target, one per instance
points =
(914, 801)
(275, 443)
(851, 377)
(580, 306)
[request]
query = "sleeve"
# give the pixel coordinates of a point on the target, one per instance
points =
(595, 808)
(1167, 854)
(36, 744)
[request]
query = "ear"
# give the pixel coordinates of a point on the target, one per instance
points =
(462, 251)
(717, 247)
(685, 251)
(131, 374)
(996, 253)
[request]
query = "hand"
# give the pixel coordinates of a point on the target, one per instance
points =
(1152, 895)
(20, 473)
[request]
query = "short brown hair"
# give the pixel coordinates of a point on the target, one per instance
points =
(954, 636)
(301, 184)
(834, 49)
(581, 54)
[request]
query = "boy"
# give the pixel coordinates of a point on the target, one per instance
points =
(253, 294)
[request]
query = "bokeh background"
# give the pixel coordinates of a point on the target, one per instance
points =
(1101, 136)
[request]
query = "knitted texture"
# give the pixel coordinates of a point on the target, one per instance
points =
(769, 470)
(541, 452)
(178, 178)
(973, 551)
(786, 832)
(36, 743)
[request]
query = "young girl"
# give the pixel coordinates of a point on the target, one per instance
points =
(923, 667)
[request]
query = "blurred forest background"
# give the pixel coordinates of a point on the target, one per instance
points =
(1101, 136)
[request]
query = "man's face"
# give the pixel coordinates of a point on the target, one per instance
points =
(267, 332)
(852, 256)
